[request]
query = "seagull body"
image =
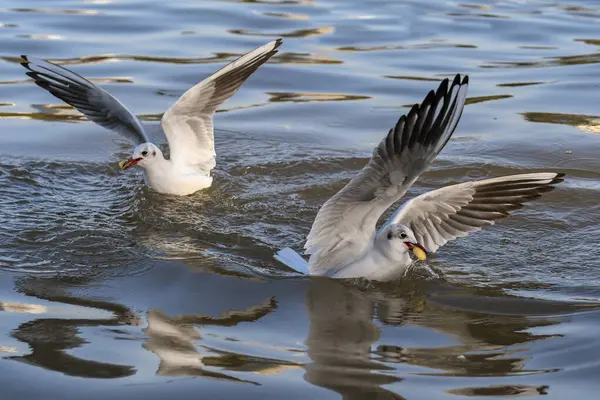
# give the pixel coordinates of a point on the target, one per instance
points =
(188, 124)
(343, 241)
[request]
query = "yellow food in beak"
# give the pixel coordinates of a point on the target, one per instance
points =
(419, 253)
(129, 163)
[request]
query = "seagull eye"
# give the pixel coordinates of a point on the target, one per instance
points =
(144, 153)
(403, 235)
(389, 235)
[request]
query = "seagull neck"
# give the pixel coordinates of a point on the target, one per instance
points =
(391, 251)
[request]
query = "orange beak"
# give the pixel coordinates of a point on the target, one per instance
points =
(130, 162)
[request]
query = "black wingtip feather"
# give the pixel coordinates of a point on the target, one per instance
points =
(456, 80)
(430, 123)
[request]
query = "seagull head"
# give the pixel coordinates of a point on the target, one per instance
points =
(401, 238)
(143, 155)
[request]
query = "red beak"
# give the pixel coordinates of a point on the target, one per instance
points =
(129, 163)
(411, 245)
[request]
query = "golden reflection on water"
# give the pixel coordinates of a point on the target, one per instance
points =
(413, 78)
(277, 97)
(519, 84)
(578, 59)
(7, 349)
(481, 99)
(281, 58)
(477, 99)
(476, 6)
(23, 308)
(585, 123)
(285, 15)
(304, 58)
(433, 44)
(297, 33)
(482, 15)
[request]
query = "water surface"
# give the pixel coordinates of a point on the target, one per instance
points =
(112, 290)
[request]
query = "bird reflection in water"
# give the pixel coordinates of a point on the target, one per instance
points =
(174, 341)
(350, 357)
(50, 338)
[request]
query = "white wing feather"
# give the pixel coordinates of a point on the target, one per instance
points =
(442, 215)
(188, 124)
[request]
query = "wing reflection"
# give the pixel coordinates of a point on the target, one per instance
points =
(49, 339)
(174, 341)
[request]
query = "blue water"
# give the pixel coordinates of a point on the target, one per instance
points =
(109, 290)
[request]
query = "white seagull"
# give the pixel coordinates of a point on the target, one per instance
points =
(343, 241)
(188, 124)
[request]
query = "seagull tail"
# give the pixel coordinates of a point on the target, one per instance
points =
(293, 260)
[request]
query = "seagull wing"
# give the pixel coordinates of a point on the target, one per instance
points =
(188, 124)
(93, 102)
(442, 215)
(344, 227)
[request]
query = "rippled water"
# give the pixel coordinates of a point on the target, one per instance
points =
(111, 290)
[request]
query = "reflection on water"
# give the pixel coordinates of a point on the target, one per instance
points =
(504, 391)
(342, 333)
(297, 33)
(586, 123)
(286, 15)
(481, 99)
(54, 11)
(350, 356)
(22, 308)
(174, 341)
(362, 340)
(438, 44)
(311, 97)
(519, 84)
(50, 339)
(175, 298)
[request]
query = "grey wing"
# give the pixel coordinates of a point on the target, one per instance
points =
(188, 124)
(442, 215)
(93, 102)
(345, 225)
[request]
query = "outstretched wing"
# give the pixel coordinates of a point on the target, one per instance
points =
(345, 225)
(442, 215)
(188, 124)
(95, 103)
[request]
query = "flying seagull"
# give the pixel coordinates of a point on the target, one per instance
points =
(188, 124)
(343, 241)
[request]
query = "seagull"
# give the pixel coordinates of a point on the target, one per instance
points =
(188, 124)
(343, 241)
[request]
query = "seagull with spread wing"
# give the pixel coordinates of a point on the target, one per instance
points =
(344, 242)
(188, 124)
